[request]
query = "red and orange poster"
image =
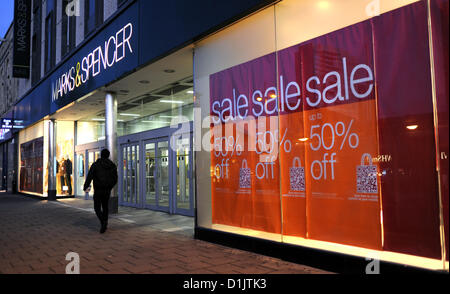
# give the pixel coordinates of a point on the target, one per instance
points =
(310, 141)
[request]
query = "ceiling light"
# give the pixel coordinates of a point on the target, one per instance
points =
(155, 121)
(98, 119)
(171, 101)
(130, 114)
(303, 139)
(323, 4)
(167, 116)
(169, 71)
(412, 127)
(259, 99)
(190, 92)
(144, 82)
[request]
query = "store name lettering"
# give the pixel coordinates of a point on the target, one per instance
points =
(334, 86)
(101, 58)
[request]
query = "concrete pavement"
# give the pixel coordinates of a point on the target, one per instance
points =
(36, 235)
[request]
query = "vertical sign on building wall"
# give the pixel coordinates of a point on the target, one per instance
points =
(22, 32)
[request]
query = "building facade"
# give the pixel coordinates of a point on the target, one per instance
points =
(314, 125)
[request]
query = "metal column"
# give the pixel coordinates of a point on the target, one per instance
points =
(111, 142)
(52, 160)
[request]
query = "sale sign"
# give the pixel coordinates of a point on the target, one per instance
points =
(245, 170)
(335, 135)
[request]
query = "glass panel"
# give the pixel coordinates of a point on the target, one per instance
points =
(163, 173)
(128, 174)
(91, 161)
(150, 184)
(124, 175)
(64, 156)
(157, 109)
(80, 175)
(183, 197)
(132, 174)
(137, 175)
(90, 131)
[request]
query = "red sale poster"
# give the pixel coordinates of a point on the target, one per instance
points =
(246, 178)
(333, 139)
(406, 131)
(335, 143)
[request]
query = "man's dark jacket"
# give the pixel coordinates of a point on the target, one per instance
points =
(102, 170)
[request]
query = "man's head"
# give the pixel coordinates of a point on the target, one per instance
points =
(105, 153)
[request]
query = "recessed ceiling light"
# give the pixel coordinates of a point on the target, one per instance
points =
(190, 92)
(144, 82)
(169, 71)
(155, 121)
(130, 114)
(412, 127)
(171, 101)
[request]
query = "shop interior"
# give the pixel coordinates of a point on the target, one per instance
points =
(150, 99)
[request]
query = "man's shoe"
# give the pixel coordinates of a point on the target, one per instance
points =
(103, 228)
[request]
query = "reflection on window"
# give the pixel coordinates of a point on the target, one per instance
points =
(156, 109)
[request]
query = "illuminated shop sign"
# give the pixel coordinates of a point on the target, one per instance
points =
(7, 123)
(115, 49)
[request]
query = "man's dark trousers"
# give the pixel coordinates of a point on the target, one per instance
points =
(101, 200)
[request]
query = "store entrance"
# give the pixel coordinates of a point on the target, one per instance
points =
(155, 175)
(157, 188)
(85, 156)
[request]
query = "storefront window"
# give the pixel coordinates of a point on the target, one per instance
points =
(90, 131)
(64, 158)
(310, 146)
(31, 160)
(157, 109)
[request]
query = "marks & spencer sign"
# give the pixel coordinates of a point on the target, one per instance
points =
(108, 55)
(21, 53)
(116, 48)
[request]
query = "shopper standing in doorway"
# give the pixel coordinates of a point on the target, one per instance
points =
(68, 174)
(103, 173)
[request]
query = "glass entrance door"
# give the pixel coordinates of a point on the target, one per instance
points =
(184, 202)
(130, 174)
(157, 180)
(93, 155)
(80, 174)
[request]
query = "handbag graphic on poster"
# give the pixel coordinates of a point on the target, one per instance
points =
(366, 176)
(297, 176)
(244, 176)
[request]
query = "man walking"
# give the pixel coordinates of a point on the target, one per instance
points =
(104, 174)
